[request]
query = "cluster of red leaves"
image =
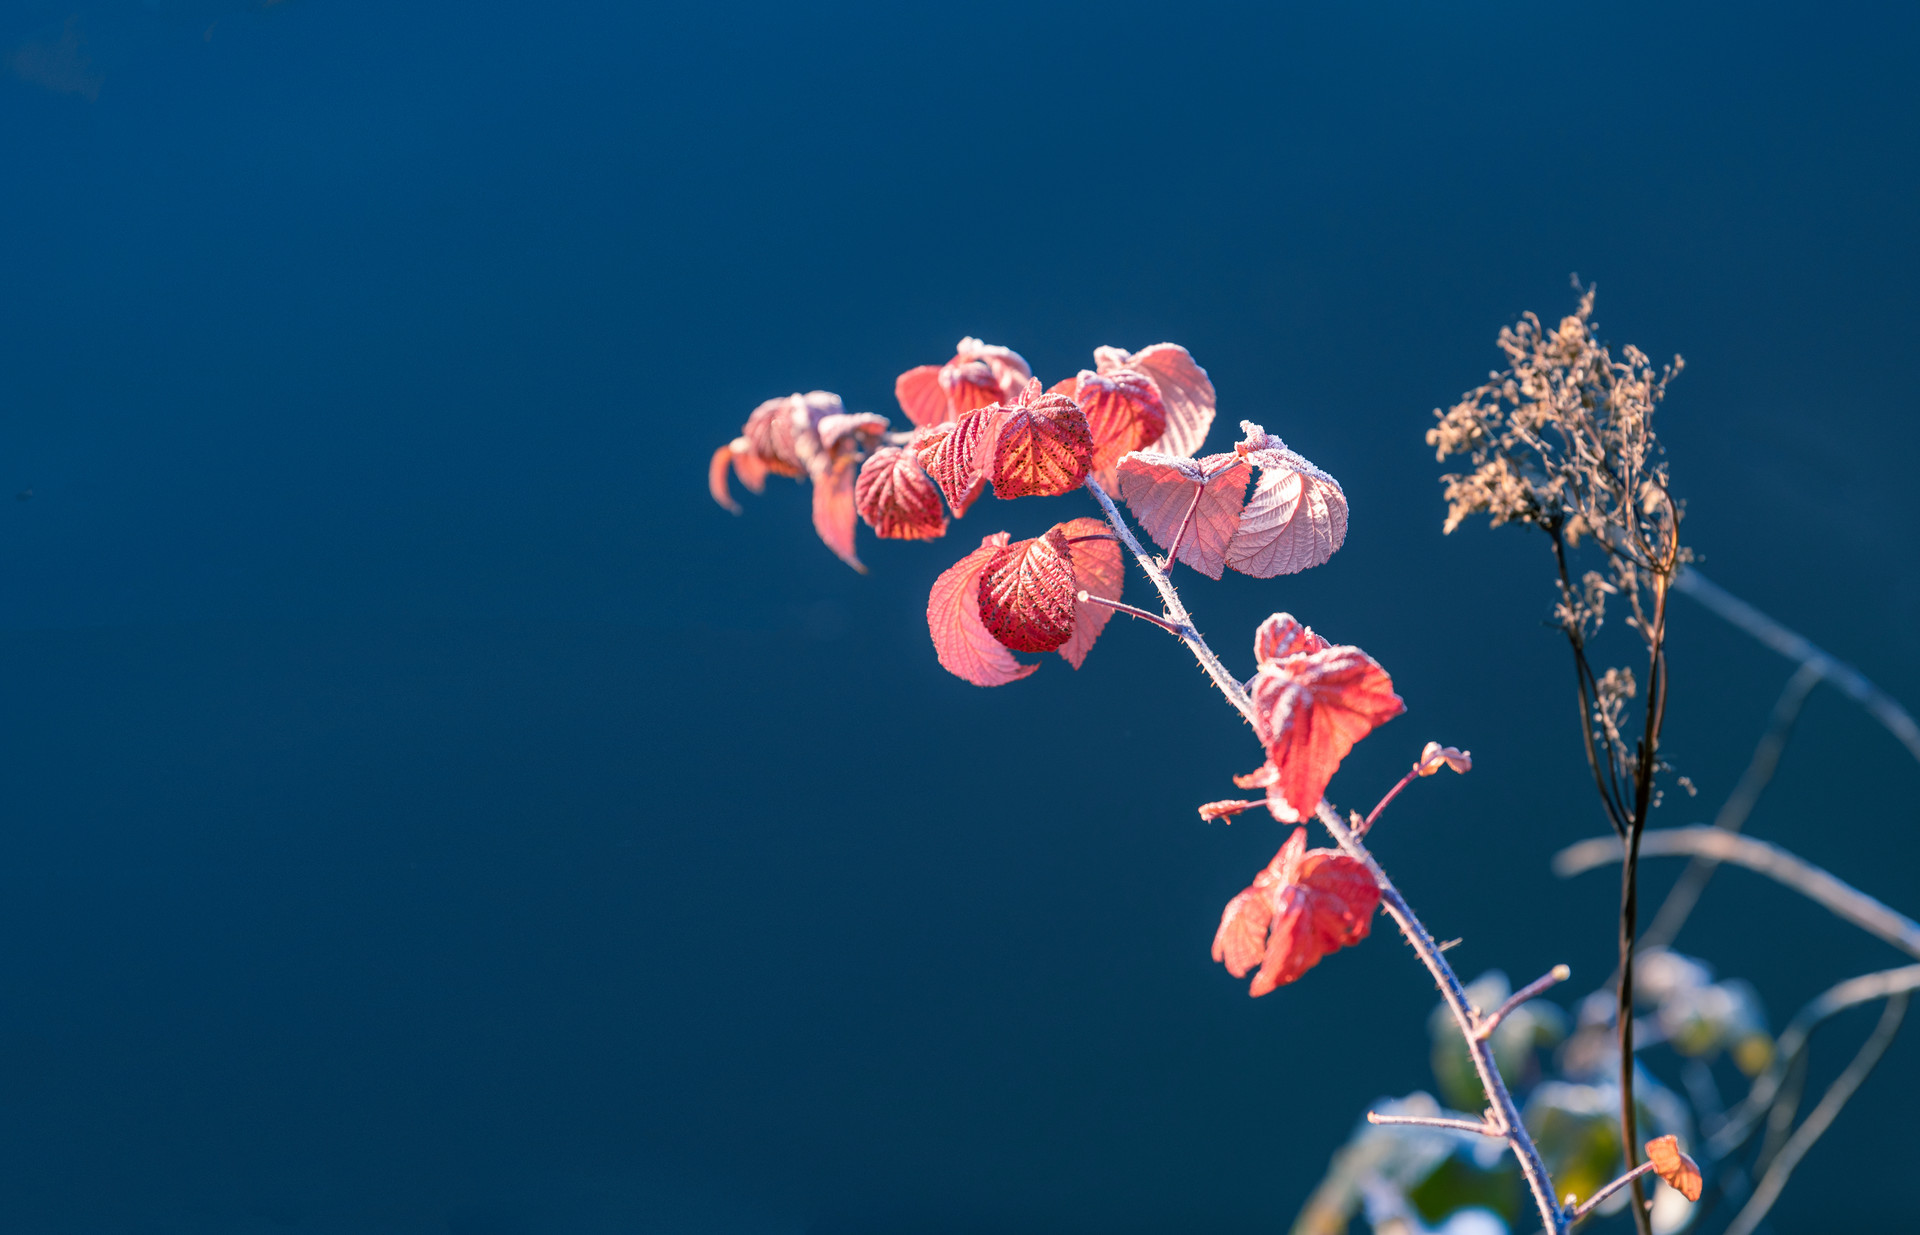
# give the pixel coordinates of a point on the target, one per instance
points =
(1314, 701)
(1009, 596)
(1295, 518)
(1305, 904)
(977, 418)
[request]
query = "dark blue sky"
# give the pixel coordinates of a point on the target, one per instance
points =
(425, 812)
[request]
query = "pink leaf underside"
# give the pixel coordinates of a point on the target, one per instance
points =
(769, 433)
(1123, 410)
(1296, 516)
(921, 395)
(1283, 635)
(1100, 568)
(1042, 447)
(960, 638)
(717, 477)
(1185, 391)
(897, 498)
(1315, 707)
(833, 507)
(1304, 905)
(1159, 489)
(954, 456)
(968, 384)
(845, 431)
(1026, 593)
(1009, 368)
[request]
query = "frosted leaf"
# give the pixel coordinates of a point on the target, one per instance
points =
(1124, 413)
(1042, 447)
(1027, 593)
(960, 638)
(1304, 905)
(1314, 708)
(1099, 568)
(1185, 392)
(1160, 489)
(952, 455)
(1296, 516)
(897, 498)
(833, 512)
(921, 396)
(1282, 635)
(1434, 756)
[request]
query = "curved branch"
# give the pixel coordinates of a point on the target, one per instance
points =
(1841, 898)
(1854, 684)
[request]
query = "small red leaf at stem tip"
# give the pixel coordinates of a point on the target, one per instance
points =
(1314, 707)
(1296, 516)
(1027, 593)
(897, 498)
(1160, 488)
(1260, 778)
(1282, 635)
(1043, 447)
(978, 375)
(1305, 904)
(1434, 756)
(1099, 568)
(1185, 393)
(1210, 811)
(1681, 1172)
(717, 478)
(960, 638)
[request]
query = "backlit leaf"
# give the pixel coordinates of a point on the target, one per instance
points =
(954, 456)
(960, 638)
(1042, 447)
(833, 514)
(921, 396)
(980, 374)
(1314, 707)
(1160, 490)
(1027, 593)
(1681, 1172)
(1185, 392)
(1123, 411)
(717, 476)
(1296, 516)
(897, 498)
(1099, 568)
(1282, 635)
(1305, 904)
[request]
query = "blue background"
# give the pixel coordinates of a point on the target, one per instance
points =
(421, 810)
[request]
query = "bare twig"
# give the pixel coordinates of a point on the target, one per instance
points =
(1685, 893)
(1587, 1206)
(1088, 598)
(1851, 682)
(1479, 1127)
(1540, 985)
(1820, 1118)
(1844, 900)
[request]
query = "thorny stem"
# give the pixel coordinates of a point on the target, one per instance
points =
(1505, 1114)
(1179, 533)
(1366, 825)
(1545, 982)
(1088, 598)
(1176, 612)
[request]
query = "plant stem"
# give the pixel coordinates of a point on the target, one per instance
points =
(1504, 1115)
(1504, 1110)
(1120, 606)
(1540, 985)
(1179, 533)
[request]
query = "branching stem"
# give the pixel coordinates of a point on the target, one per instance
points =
(1088, 598)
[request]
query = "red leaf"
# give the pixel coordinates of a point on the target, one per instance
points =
(953, 456)
(1123, 411)
(897, 498)
(1042, 448)
(1159, 489)
(1315, 707)
(1009, 369)
(1296, 516)
(1026, 593)
(1681, 1172)
(960, 638)
(833, 507)
(1185, 393)
(770, 432)
(921, 396)
(1099, 568)
(1304, 905)
(717, 477)
(1282, 635)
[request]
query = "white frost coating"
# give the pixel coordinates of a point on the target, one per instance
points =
(1296, 516)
